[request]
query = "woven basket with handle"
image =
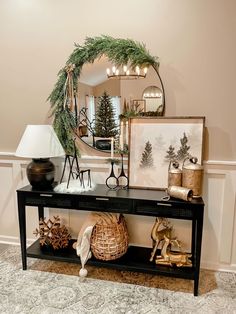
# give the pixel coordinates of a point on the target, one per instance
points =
(109, 240)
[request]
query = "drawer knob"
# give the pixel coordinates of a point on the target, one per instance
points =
(47, 195)
(164, 204)
(102, 199)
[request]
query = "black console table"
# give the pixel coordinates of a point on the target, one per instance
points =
(131, 201)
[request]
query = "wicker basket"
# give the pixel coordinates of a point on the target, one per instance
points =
(109, 241)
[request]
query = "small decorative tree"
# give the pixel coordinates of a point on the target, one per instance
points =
(147, 159)
(170, 154)
(105, 124)
(183, 150)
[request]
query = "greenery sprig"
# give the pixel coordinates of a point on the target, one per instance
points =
(119, 51)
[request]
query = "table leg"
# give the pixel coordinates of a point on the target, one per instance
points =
(41, 212)
(22, 228)
(198, 252)
(193, 243)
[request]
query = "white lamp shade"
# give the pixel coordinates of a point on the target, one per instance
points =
(39, 141)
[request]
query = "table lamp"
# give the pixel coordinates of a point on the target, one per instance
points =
(40, 143)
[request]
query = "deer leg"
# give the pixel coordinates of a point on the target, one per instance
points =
(154, 250)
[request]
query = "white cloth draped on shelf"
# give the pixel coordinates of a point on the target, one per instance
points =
(82, 246)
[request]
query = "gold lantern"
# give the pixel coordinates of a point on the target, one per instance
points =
(174, 174)
(192, 176)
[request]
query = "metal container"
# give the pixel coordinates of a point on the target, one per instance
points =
(192, 176)
(180, 193)
(174, 174)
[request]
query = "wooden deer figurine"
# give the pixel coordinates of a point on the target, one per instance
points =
(158, 235)
(170, 258)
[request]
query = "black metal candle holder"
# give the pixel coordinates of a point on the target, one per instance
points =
(112, 177)
(122, 175)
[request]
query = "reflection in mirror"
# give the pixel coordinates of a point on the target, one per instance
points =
(105, 98)
(99, 105)
(87, 65)
(153, 98)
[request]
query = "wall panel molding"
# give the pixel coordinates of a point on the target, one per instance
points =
(210, 162)
(219, 194)
(220, 162)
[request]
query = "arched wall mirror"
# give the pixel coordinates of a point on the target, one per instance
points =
(153, 97)
(101, 86)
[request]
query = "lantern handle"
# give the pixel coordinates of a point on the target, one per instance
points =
(187, 158)
(192, 159)
(174, 163)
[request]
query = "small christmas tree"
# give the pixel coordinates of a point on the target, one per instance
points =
(105, 124)
(183, 150)
(147, 159)
(170, 154)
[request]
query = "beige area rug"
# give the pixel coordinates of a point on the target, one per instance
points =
(207, 278)
(50, 287)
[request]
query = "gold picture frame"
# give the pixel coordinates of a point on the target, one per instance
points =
(139, 105)
(154, 141)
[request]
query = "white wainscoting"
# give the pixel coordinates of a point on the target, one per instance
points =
(219, 194)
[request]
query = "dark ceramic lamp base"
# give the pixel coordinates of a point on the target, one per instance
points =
(40, 173)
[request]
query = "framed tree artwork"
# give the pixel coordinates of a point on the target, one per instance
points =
(139, 105)
(155, 141)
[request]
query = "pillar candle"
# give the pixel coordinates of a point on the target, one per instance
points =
(121, 135)
(127, 133)
(112, 147)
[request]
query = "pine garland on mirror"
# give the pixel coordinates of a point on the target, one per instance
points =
(119, 51)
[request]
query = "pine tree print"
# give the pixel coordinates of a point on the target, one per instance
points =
(105, 124)
(182, 153)
(170, 154)
(147, 159)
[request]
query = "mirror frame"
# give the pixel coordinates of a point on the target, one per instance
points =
(63, 98)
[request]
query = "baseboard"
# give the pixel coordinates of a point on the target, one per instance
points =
(219, 267)
(14, 240)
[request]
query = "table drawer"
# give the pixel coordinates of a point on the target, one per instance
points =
(161, 208)
(105, 204)
(48, 200)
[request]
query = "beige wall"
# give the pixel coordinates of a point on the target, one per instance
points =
(112, 87)
(84, 90)
(195, 41)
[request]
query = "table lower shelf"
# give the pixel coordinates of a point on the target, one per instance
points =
(136, 259)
